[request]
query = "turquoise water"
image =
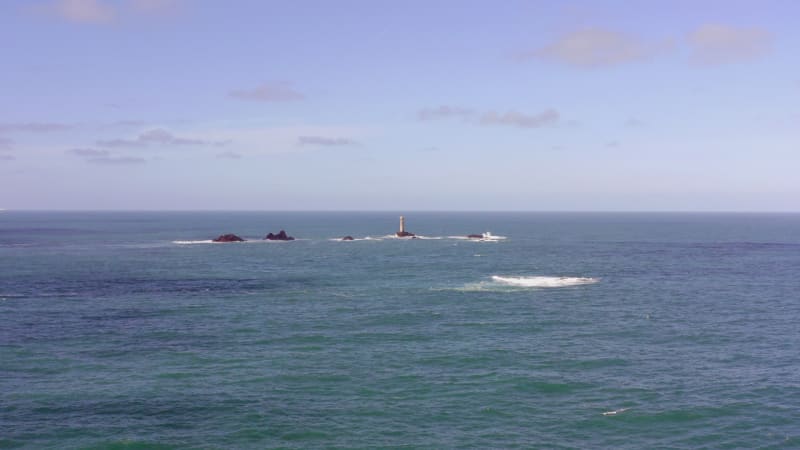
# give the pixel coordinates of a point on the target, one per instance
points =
(125, 330)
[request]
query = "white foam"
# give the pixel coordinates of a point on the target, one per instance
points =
(408, 238)
(485, 237)
(615, 412)
(543, 282)
(208, 241)
(355, 239)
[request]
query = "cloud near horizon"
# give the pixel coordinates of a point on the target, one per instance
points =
(268, 92)
(116, 160)
(99, 156)
(6, 144)
(34, 127)
(597, 47)
(229, 155)
(443, 112)
(512, 118)
(518, 119)
(88, 152)
(716, 44)
(324, 141)
(158, 136)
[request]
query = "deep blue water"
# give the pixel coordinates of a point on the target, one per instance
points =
(116, 333)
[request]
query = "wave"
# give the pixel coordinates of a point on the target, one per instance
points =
(246, 241)
(409, 238)
(368, 238)
(543, 282)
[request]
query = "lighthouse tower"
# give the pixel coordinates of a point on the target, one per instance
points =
(403, 232)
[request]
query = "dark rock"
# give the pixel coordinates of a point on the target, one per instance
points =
(228, 238)
(281, 236)
(347, 238)
(475, 236)
(405, 234)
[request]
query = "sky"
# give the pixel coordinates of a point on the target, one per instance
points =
(413, 105)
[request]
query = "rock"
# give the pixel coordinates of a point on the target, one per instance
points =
(281, 236)
(405, 234)
(228, 238)
(347, 238)
(475, 236)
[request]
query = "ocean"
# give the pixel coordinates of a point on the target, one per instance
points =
(131, 330)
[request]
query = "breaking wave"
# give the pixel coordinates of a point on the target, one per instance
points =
(209, 241)
(543, 282)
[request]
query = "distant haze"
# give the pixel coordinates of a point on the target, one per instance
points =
(358, 105)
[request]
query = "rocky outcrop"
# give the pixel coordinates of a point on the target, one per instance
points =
(475, 236)
(228, 238)
(405, 234)
(347, 238)
(281, 236)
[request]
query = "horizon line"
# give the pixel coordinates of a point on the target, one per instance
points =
(397, 211)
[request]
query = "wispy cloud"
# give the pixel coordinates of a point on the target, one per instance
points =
(34, 127)
(4, 157)
(443, 112)
(325, 141)
(117, 160)
(511, 118)
(101, 156)
(634, 123)
(88, 152)
(597, 47)
(229, 155)
(95, 12)
(268, 92)
(6, 144)
(714, 44)
(157, 136)
(128, 123)
(518, 119)
(103, 12)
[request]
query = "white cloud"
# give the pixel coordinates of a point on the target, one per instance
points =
(597, 47)
(714, 44)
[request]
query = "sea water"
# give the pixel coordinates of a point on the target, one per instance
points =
(133, 330)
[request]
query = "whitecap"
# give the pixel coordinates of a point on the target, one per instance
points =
(615, 412)
(543, 282)
(208, 241)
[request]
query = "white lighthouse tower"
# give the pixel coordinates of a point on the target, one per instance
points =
(403, 232)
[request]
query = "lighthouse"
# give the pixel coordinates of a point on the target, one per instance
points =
(403, 232)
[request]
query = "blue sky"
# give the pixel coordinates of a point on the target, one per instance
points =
(363, 105)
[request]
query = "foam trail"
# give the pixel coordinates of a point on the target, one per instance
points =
(209, 241)
(544, 282)
(615, 412)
